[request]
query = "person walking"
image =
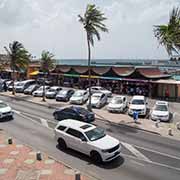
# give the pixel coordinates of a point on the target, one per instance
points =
(5, 86)
(135, 116)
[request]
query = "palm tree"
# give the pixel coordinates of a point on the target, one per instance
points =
(19, 59)
(93, 23)
(47, 64)
(169, 35)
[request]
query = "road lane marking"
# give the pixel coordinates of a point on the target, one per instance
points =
(44, 122)
(135, 152)
(157, 152)
(17, 112)
(138, 163)
(154, 163)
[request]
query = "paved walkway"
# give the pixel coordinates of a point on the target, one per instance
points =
(18, 162)
(143, 123)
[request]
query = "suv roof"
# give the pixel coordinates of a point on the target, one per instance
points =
(161, 103)
(74, 124)
(138, 97)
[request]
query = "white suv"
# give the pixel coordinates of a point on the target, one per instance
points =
(88, 139)
(138, 104)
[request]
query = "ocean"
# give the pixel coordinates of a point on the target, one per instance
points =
(108, 62)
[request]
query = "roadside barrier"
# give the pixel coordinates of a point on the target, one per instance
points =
(10, 141)
(178, 125)
(77, 175)
(38, 156)
(170, 132)
(157, 123)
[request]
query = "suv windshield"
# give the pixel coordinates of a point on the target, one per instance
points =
(3, 105)
(138, 101)
(116, 101)
(63, 92)
(78, 94)
(161, 108)
(95, 134)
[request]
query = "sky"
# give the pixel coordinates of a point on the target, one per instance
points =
(53, 25)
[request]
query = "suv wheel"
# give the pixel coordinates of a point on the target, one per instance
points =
(62, 144)
(96, 157)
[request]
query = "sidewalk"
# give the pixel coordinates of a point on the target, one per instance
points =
(18, 162)
(103, 114)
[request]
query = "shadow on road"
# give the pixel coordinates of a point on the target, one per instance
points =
(108, 165)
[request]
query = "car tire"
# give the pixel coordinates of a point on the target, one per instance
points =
(62, 144)
(96, 157)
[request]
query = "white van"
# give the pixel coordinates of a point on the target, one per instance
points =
(21, 86)
(138, 104)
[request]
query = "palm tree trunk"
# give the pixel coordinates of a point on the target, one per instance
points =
(13, 79)
(44, 99)
(89, 72)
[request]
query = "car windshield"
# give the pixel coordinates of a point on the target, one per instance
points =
(116, 101)
(96, 97)
(137, 101)
(3, 105)
(82, 110)
(20, 84)
(95, 134)
(63, 92)
(52, 90)
(102, 89)
(161, 108)
(31, 87)
(78, 94)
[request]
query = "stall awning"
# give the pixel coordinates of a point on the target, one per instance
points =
(111, 78)
(71, 75)
(34, 73)
(86, 76)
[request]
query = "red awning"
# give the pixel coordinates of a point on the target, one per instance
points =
(123, 71)
(80, 69)
(152, 73)
(62, 68)
(100, 70)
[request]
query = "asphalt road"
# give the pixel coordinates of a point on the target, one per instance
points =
(144, 155)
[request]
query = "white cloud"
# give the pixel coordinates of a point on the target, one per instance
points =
(53, 25)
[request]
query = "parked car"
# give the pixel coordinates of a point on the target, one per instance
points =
(31, 89)
(52, 92)
(5, 110)
(138, 104)
(98, 89)
(21, 86)
(64, 95)
(161, 111)
(117, 104)
(39, 91)
(87, 139)
(79, 97)
(73, 112)
(10, 85)
(98, 100)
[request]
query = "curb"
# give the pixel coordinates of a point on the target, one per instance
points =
(121, 124)
(100, 119)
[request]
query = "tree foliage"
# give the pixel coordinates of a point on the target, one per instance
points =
(168, 35)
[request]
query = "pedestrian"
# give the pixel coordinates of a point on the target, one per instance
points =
(135, 116)
(167, 94)
(5, 86)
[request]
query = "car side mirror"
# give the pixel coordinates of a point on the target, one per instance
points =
(83, 139)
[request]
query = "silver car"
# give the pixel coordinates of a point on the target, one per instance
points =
(52, 92)
(98, 100)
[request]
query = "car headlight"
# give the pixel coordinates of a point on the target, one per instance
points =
(105, 150)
